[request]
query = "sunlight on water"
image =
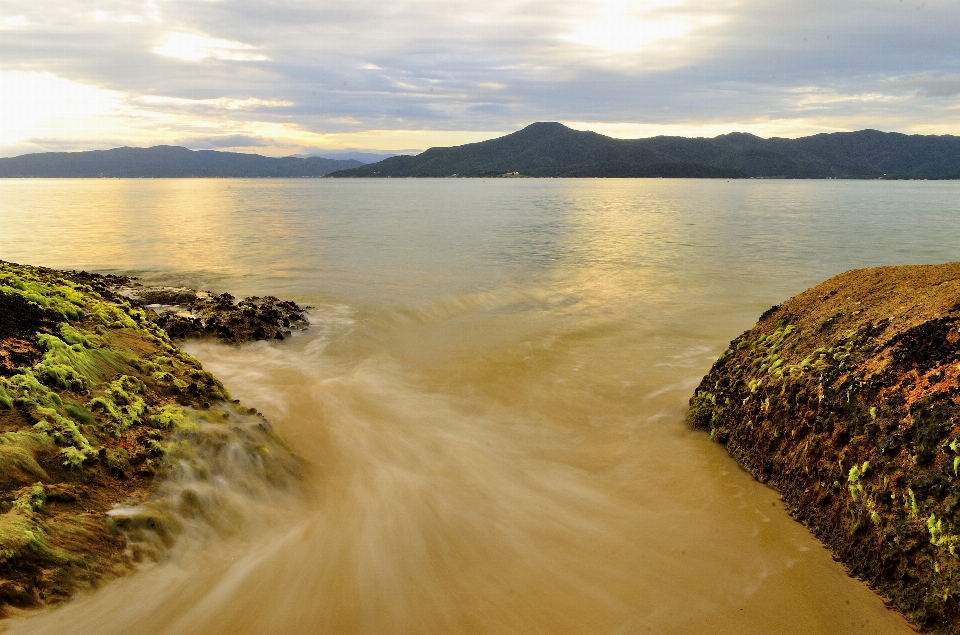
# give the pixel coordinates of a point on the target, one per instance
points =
(490, 398)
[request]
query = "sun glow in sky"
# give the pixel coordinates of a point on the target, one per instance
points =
(290, 77)
(193, 48)
(624, 27)
(34, 104)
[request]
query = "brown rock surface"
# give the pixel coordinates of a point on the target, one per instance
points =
(845, 399)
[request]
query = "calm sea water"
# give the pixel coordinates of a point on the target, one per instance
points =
(491, 395)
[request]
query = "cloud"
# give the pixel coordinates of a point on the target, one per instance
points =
(415, 73)
(63, 144)
(928, 85)
(224, 141)
(13, 21)
(193, 48)
(220, 103)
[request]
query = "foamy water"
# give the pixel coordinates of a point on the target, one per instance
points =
(490, 399)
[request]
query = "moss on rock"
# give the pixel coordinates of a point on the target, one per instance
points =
(92, 396)
(846, 400)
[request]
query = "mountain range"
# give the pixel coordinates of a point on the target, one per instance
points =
(546, 150)
(554, 150)
(165, 162)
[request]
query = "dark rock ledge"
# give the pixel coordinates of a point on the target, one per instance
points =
(184, 312)
(96, 403)
(846, 400)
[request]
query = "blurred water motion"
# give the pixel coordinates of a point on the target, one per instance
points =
(490, 398)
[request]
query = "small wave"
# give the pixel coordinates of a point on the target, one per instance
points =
(226, 473)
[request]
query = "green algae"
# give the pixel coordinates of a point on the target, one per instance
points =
(76, 362)
(26, 391)
(121, 404)
(21, 537)
(97, 407)
(65, 431)
(18, 457)
(857, 471)
(81, 361)
(31, 500)
(102, 401)
(173, 417)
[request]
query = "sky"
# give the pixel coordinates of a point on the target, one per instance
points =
(281, 77)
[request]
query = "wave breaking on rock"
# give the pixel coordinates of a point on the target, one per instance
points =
(114, 442)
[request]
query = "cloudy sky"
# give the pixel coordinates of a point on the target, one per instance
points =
(301, 76)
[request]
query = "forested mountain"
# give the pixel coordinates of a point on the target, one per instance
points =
(165, 161)
(553, 150)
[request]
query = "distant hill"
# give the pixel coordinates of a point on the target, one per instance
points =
(165, 162)
(553, 150)
(362, 157)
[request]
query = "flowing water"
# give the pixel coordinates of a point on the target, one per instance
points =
(490, 399)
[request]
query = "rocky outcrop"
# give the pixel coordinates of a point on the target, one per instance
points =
(252, 318)
(846, 400)
(95, 403)
(184, 312)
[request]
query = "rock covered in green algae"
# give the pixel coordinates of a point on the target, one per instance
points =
(94, 400)
(846, 400)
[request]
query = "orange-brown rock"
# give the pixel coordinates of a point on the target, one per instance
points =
(846, 400)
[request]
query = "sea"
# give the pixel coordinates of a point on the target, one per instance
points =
(490, 399)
